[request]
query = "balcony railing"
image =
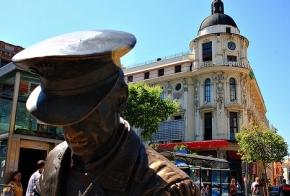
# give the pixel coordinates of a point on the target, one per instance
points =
(170, 131)
(163, 60)
(206, 64)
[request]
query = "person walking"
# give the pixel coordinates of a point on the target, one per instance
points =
(31, 188)
(256, 187)
(233, 187)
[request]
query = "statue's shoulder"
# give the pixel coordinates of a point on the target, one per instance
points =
(174, 180)
(57, 151)
(48, 182)
(167, 170)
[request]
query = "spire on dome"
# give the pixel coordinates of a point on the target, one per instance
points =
(217, 6)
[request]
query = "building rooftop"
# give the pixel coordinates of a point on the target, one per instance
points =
(217, 16)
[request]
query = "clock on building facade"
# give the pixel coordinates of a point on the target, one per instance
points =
(231, 45)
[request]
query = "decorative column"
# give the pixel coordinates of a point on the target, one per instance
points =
(220, 128)
(189, 113)
(196, 105)
(243, 99)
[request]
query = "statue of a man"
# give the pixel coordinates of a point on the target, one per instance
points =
(83, 90)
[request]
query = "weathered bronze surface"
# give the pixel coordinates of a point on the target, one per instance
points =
(102, 155)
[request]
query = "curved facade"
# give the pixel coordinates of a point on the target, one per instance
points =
(215, 86)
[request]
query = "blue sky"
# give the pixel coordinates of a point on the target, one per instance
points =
(164, 28)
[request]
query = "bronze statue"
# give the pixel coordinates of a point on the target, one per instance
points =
(83, 90)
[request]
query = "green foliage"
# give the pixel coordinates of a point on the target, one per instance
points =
(259, 143)
(146, 109)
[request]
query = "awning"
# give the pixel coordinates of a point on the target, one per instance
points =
(196, 145)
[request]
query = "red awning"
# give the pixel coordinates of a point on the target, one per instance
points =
(209, 144)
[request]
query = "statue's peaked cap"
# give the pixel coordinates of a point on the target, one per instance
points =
(81, 44)
(77, 70)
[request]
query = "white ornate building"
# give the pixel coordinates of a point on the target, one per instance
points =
(215, 85)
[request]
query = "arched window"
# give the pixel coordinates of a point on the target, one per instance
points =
(233, 89)
(207, 90)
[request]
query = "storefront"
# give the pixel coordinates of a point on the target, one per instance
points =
(23, 140)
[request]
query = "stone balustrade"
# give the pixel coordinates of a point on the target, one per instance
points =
(206, 64)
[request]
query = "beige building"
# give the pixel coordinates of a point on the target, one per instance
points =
(215, 86)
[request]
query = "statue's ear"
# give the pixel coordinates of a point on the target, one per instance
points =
(123, 96)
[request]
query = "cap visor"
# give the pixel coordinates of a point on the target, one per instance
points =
(63, 110)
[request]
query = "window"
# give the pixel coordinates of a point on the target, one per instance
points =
(228, 29)
(178, 86)
(231, 58)
(174, 141)
(160, 72)
(146, 75)
(207, 51)
(233, 124)
(207, 90)
(130, 79)
(179, 117)
(177, 68)
(208, 126)
(233, 89)
(3, 62)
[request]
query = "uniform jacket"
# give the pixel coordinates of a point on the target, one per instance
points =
(127, 169)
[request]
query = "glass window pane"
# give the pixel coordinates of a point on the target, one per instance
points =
(6, 96)
(207, 90)
(195, 175)
(233, 90)
(25, 122)
(207, 51)
(216, 179)
(225, 178)
(206, 180)
(3, 155)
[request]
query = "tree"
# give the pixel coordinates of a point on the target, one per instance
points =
(260, 143)
(146, 109)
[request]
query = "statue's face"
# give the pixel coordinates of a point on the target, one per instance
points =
(86, 138)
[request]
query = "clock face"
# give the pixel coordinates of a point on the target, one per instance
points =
(232, 45)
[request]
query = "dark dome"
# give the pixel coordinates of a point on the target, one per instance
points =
(217, 19)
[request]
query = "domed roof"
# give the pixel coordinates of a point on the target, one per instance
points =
(218, 19)
(217, 16)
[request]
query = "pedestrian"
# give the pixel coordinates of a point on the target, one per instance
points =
(207, 190)
(14, 185)
(233, 187)
(33, 180)
(84, 91)
(256, 187)
(202, 191)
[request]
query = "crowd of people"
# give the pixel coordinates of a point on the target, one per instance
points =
(14, 186)
(258, 188)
